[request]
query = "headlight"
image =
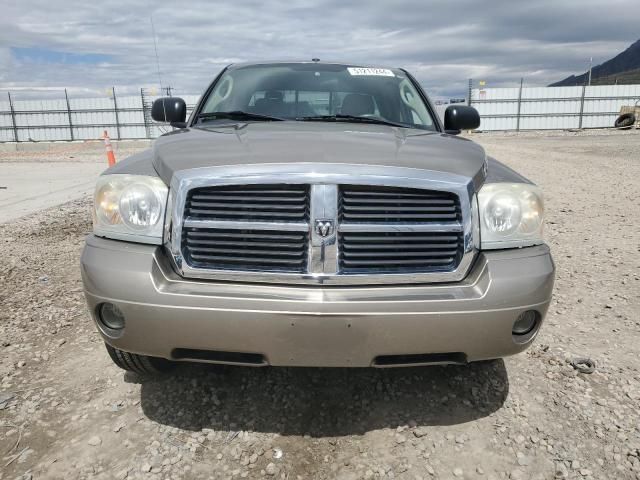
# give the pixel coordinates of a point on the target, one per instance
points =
(130, 207)
(511, 215)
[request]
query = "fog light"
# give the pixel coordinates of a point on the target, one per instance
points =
(111, 316)
(525, 322)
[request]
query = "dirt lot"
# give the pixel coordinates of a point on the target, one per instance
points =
(66, 412)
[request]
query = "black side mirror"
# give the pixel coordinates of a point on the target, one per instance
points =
(460, 117)
(171, 110)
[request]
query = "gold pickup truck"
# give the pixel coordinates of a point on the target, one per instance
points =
(315, 214)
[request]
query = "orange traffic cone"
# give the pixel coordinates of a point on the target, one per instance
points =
(111, 158)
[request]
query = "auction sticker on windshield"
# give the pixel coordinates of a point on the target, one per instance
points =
(378, 72)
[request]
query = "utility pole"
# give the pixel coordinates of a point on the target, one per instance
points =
(590, 67)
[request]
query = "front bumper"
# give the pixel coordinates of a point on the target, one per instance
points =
(168, 316)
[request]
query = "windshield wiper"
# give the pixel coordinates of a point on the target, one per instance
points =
(350, 118)
(237, 115)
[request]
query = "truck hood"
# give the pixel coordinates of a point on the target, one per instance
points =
(262, 143)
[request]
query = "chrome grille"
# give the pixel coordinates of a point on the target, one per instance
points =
(399, 252)
(255, 250)
(360, 203)
(287, 203)
(330, 224)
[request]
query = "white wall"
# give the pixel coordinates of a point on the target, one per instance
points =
(543, 108)
(540, 108)
(48, 120)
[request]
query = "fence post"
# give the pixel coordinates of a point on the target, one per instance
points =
(584, 89)
(13, 118)
(469, 93)
(66, 96)
(519, 105)
(144, 114)
(115, 109)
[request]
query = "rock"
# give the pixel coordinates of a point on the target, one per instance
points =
(420, 432)
(517, 475)
(457, 472)
(94, 441)
(156, 461)
(122, 474)
(561, 471)
(5, 398)
(271, 469)
(400, 438)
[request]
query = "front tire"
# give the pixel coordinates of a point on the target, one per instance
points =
(140, 364)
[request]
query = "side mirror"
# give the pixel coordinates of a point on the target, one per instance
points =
(171, 110)
(460, 117)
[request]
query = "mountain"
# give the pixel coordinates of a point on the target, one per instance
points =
(623, 68)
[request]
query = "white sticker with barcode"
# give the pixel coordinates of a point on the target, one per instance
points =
(376, 72)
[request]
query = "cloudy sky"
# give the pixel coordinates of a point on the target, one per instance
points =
(90, 46)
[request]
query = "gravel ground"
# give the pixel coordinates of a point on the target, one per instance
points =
(67, 412)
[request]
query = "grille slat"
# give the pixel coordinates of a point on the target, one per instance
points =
(214, 205)
(406, 245)
(244, 260)
(416, 217)
(222, 243)
(252, 251)
(283, 202)
(240, 235)
(398, 200)
(399, 208)
(360, 203)
(401, 265)
(402, 254)
(414, 238)
(243, 214)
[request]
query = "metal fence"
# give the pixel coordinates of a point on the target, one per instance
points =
(128, 117)
(67, 118)
(545, 108)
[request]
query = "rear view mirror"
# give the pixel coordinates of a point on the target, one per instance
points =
(171, 110)
(460, 117)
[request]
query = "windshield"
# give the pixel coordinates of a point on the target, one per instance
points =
(316, 92)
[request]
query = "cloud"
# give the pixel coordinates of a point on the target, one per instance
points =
(41, 56)
(443, 43)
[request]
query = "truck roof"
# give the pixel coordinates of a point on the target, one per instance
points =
(318, 62)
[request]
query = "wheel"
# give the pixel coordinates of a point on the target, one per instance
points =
(140, 364)
(626, 120)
